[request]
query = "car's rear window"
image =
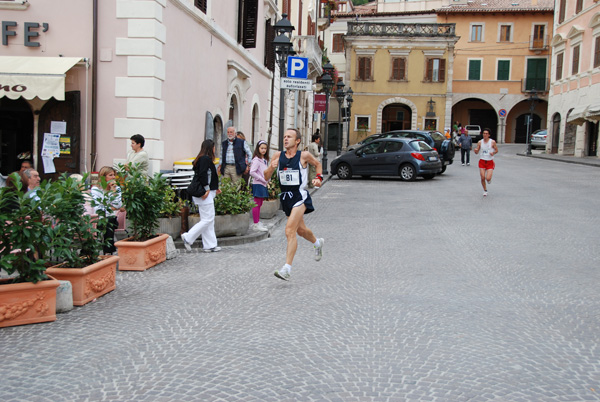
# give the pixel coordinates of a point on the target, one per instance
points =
(419, 145)
(437, 136)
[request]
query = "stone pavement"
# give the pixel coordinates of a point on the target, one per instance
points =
(426, 292)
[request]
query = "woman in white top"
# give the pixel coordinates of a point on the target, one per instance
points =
(107, 201)
(488, 149)
(137, 156)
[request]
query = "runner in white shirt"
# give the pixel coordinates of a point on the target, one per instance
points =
(488, 149)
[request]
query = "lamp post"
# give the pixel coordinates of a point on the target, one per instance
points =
(532, 98)
(327, 83)
(283, 49)
(340, 95)
(349, 101)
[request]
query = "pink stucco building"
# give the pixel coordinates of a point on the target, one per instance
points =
(574, 102)
(175, 71)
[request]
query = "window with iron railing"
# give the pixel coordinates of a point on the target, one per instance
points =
(539, 40)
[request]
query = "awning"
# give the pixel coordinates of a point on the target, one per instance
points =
(593, 112)
(29, 77)
(577, 115)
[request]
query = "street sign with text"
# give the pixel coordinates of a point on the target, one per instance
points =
(297, 84)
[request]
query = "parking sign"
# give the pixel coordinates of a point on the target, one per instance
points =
(297, 67)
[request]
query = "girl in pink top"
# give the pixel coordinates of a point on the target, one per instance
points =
(260, 162)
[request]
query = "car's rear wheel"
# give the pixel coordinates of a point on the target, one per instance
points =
(428, 176)
(407, 172)
(344, 171)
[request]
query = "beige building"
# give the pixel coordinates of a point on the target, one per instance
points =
(574, 109)
(401, 74)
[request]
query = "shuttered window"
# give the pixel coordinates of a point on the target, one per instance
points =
(562, 11)
(269, 48)
(435, 70)
(247, 22)
(559, 65)
(578, 6)
(503, 70)
(474, 70)
(398, 69)
(338, 43)
(597, 52)
(201, 5)
(575, 65)
(505, 34)
(364, 68)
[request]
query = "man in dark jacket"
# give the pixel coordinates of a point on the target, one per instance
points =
(465, 143)
(236, 156)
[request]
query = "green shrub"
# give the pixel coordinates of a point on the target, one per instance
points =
(233, 199)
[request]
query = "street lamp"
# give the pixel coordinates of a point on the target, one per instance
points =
(327, 83)
(532, 98)
(349, 101)
(340, 95)
(283, 49)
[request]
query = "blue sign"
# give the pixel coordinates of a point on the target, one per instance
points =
(297, 67)
(502, 112)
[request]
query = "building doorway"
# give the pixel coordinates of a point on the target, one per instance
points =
(396, 117)
(591, 133)
(16, 134)
(555, 133)
(522, 127)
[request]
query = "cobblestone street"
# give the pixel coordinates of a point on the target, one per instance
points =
(427, 291)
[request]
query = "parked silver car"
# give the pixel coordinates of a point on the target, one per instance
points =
(538, 138)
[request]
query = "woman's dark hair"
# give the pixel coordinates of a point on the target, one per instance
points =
(139, 139)
(257, 152)
(207, 148)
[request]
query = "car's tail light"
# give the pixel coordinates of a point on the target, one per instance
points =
(418, 156)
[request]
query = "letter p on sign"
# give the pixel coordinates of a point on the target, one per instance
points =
(297, 67)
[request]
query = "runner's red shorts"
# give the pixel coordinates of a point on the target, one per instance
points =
(488, 165)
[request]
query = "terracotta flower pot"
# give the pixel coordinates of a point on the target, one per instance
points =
(141, 255)
(90, 282)
(28, 303)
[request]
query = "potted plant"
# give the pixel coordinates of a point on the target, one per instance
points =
(170, 215)
(270, 206)
(143, 199)
(76, 243)
(29, 295)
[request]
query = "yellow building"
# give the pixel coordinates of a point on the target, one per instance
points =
(401, 74)
(502, 64)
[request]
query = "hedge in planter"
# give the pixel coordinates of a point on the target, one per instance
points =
(25, 233)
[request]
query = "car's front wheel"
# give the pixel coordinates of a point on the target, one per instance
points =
(408, 172)
(344, 171)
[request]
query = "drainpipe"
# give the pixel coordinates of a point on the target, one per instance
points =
(94, 83)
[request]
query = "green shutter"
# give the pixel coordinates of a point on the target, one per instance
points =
(474, 70)
(503, 70)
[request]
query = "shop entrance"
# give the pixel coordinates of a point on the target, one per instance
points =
(67, 111)
(16, 134)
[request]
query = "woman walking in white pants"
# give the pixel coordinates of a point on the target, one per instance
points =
(206, 171)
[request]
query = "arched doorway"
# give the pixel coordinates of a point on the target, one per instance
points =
(591, 133)
(570, 133)
(555, 133)
(522, 127)
(396, 116)
(16, 134)
(473, 111)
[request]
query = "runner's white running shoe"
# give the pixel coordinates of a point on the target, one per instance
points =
(319, 250)
(283, 274)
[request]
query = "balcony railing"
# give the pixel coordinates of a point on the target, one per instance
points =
(537, 43)
(308, 46)
(399, 29)
(535, 84)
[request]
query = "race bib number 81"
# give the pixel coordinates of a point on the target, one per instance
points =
(289, 177)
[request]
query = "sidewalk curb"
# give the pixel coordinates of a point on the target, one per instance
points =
(556, 158)
(250, 237)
